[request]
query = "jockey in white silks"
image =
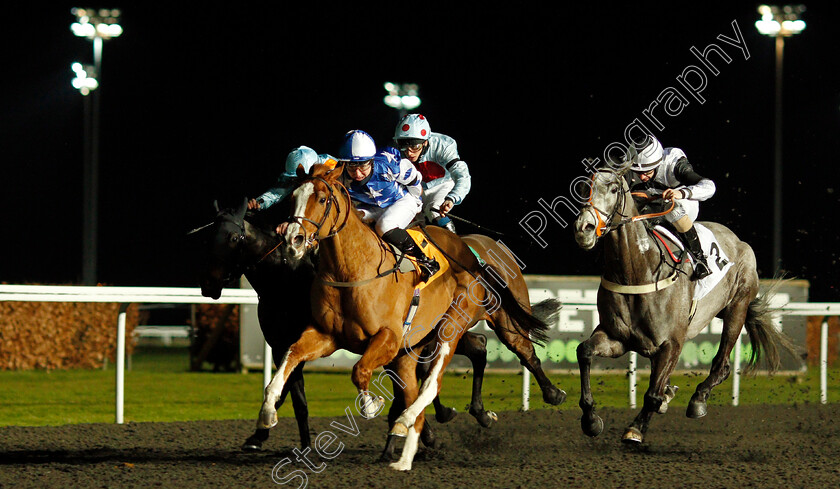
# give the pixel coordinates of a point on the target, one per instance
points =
(386, 189)
(446, 178)
(666, 172)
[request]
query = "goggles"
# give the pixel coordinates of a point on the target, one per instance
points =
(357, 164)
(410, 144)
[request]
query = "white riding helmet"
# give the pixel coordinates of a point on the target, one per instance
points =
(412, 126)
(303, 157)
(357, 146)
(649, 156)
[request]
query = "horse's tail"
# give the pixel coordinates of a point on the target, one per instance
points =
(765, 339)
(527, 324)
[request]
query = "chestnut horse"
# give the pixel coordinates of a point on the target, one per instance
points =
(646, 306)
(358, 308)
(236, 243)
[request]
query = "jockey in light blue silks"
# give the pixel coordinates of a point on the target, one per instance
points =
(446, 178)
(301, 157)
(666, 172)
(386, 189)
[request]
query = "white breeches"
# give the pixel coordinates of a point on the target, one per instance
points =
(682, 208)
(397, 215)
(434, 197)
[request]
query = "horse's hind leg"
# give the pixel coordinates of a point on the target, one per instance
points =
(443, 413)
(523, 347)
(733, 320)
(599, 344)
(474, 347)
(661, 366)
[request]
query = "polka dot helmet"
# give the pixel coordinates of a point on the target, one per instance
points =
(412, 126)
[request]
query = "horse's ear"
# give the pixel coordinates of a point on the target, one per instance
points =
(301, 172)
(336, 171)
(216, 205)
(241, 210)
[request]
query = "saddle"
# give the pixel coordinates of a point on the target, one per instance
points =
(408, 263)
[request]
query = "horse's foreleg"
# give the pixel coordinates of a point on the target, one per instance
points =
(661, 366)
(733, 319)
(599, 344)
(311, 345)
(381, 350)
(524, 349)
(295, 386)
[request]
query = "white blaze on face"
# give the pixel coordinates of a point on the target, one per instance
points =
(301, 198)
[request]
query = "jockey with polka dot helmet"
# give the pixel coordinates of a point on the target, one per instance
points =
(446, 178)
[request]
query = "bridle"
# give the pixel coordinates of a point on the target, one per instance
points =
(606, 223)
(602, 226)
(332, 200)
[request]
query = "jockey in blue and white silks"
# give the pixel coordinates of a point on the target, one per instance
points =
(301, 157)
(446, 178)
(666, 172)
(386, 189)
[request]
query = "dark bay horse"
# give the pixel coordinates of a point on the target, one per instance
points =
(236, 244)
(368, 317)
(647, 308)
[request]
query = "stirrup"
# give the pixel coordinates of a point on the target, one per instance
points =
(701, 270)
(428, 267)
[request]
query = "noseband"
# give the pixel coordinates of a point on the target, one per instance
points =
(602, 226)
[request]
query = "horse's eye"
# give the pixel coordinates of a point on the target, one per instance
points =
(614, 190)
(323, 199)
(233, 237)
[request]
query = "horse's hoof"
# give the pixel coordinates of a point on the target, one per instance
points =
(372, 406)
(485, 418)
(663, 408)
(401, 466)
(632, 436)
(696, 409)
(252, 444)
(594, 427)
(670, 392)
(445, 415)
(400, 430)
(267, 420)
(555, 396)
(386, 457)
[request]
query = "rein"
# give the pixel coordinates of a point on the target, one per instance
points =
(318, 225)
(604, 227)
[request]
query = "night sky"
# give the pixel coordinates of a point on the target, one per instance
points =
(205, 104)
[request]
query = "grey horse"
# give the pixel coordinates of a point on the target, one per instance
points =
(645, 305)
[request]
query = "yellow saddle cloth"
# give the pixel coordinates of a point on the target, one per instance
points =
(430, 251)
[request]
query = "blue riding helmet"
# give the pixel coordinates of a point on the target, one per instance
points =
(357, 146)
(302, 156)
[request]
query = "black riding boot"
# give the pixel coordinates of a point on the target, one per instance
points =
(701, 268)
(400, 238)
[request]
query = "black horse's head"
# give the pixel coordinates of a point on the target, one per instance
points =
(222, 251)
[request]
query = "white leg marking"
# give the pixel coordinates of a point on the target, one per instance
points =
(268, 415)
(427, 392)
(409, 450)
